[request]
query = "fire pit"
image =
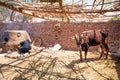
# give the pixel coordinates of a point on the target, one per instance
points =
(12, 39)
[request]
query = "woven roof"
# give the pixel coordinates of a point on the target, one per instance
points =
(56, 8)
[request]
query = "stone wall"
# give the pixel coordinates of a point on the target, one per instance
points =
(63, 34)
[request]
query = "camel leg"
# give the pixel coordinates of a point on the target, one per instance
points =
(80, 51)
(86, 51)
(102, 50)
(86, 54)
(107, 50)
(101, 55)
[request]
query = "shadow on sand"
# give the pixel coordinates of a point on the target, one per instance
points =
(114, 59)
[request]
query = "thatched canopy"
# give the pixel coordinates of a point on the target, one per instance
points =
(48, 9)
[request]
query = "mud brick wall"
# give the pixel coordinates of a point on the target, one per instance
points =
(63, 35)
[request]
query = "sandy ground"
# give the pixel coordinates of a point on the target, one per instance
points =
(58, 65)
